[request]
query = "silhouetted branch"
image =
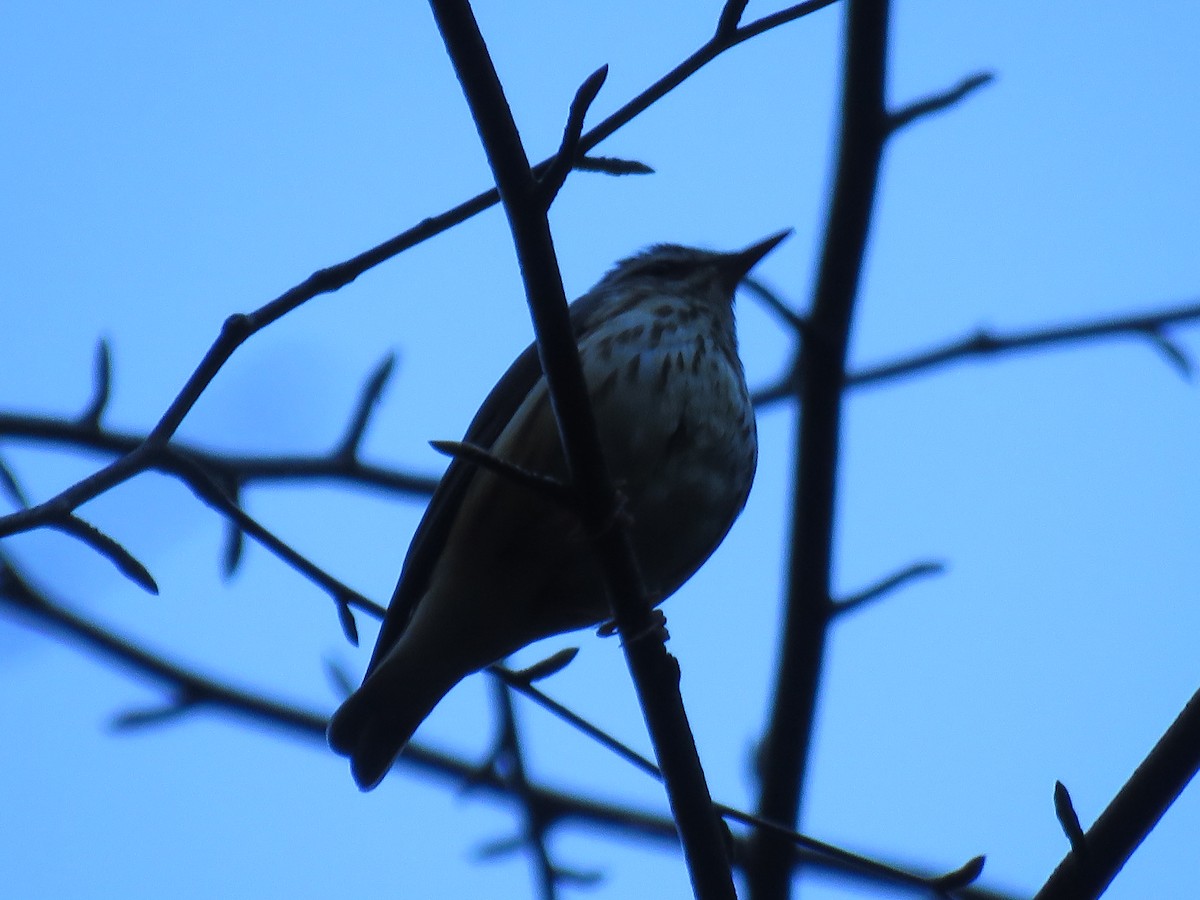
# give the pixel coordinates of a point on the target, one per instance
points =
(611, 165)
(508, 761)
(655, 673)
(906, 115)
(107, 547)
(227, 467)
(1102, 851)
(1150, 325)
(368, 401)
(101, 387)
(887, 585)
(554, 176)
(784, 749)
(991, 343)
(1069, 819)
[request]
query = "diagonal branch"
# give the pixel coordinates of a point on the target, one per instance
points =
(1100, 853)
(655, 673)
(906, 115)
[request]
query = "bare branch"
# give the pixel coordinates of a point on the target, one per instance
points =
(1133, 812)
(1069, 819)
(555, 175)
(101, 387)
(169, 712)
(906, 115)
(611, 165)
(887, 585)
(1175, 354)
(108, 548)
(209, 492)
(12, 487)
(560, 493)
(654, 671)
(784, 749)
(990, 343)
(229, 468)
(368, 401)
(776, 304)
(731, 15)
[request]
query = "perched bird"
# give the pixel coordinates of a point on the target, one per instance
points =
(497, 564)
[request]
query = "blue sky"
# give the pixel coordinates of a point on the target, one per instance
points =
(166, 165)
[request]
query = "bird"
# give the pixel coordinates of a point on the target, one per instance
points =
(496, 564)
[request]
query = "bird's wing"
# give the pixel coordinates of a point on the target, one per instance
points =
(430, 537)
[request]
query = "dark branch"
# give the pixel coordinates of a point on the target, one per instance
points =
(552, 488)
(1151, 325)
(784, 749)
(555, 174)
(990, 343)
(655, 673)
(108, 548)
(227, 467)
(1132, 814)
(611, 165)
(368, 401)
(887, 585)
(906, 115)
(101, 387)
(1064, 809)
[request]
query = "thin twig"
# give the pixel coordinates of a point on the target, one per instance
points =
(943, 100)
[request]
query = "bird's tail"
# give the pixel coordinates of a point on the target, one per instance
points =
(374, 724)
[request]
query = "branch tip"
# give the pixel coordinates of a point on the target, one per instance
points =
(731, 17)
(101, 386)
(108, 548)
(961, 877)
(1064, 809)
(368, 400)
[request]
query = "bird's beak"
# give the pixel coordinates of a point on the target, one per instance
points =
(740, 263)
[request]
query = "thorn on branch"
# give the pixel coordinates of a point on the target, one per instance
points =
(1175, 354)
(612, 165)
(101, 387)
(731, 16)
(887, 585)
(1069, 820)
(555, 175)
(367, 402)
(906, 115)
(12, 487)
(159, 715)
(108, 548)
(556, 490)
(961, 877)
